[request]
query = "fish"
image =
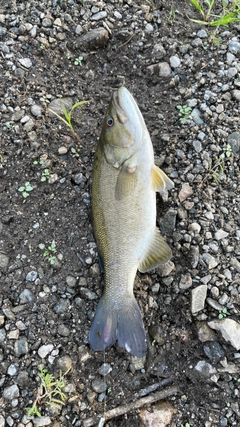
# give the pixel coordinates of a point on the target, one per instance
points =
(124, 185)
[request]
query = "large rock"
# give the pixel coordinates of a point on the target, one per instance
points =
(229, 329)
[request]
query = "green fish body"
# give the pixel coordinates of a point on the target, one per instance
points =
(125, 181)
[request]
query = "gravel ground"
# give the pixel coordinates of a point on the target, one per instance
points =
(57, 51)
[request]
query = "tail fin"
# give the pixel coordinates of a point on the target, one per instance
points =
(123, 324)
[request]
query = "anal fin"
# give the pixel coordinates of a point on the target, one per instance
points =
(158, 253)
(160, 180)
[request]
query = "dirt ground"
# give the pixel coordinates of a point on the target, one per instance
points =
(51, 301)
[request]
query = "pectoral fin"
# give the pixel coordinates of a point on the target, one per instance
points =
(158, 253)
(160, 180)
(126, 182)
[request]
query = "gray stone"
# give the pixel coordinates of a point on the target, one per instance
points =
(149, 28)
(198, 298)
(168, 222)
(104, 369)
(175, 61)
(165, 269)
(195, 115)
(26, 296)
(63, 331)
(99, 386)
(220, 234)
(2, 335)
(57, 105)
(61, 307)
(21, 347)
(185, 281)
(214, 351)
(234, 141)
(235, 264)
(202, 34)
(234, 46)
(87, 293)
(42, 421)
(46, 22)
(197, 145)
(10, 393)
(25, 62)
(12, 370)
(32, 276)
(71, 281)
(205, 369)
(4, 261)
(229, 329)
(98, 16)
(64, 363)
(36, 110)
(94, 39)
(164, 69)
(185, 192)
(236, 94)
(2, 421)
(210, 260)
(44, 350)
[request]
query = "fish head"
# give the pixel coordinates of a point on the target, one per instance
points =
(123, 128)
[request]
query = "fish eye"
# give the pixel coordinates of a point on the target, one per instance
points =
(109, 122)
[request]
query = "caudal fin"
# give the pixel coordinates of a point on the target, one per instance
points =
(123, 324)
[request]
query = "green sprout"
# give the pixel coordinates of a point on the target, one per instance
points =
(40, 162)
(184, 113)
(186, 425)
(78, 61)
(228, 15)
(68, 56)
(223, 313)
(68, 116)
(219, 165)
(171, 15)
(45, 175)
(50, 389)
(25, 189)
(49, 252)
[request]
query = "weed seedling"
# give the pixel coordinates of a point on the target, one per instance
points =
(25, 189)
(68, 116)
(50, 389)
(45, 175)
(184, 113)
(78, 61)
(223, 313)
(40, 162)
(48, 253)
(186, 425)
(68, 56)
(228, 15)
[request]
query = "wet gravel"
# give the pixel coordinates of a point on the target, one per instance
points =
(67, 51)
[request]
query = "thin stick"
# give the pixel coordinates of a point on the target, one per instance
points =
(116, 412)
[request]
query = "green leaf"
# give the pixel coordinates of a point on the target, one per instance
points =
(41, 246)
(21, 189)
(197, 5)
(25, 194)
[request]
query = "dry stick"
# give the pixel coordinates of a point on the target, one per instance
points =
(116, 412)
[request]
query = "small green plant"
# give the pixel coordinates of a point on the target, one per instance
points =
(68, 56)
(45, 175)
(8, 125)
(49, 252)
(171, 15)
(40, 162)
(223, 313)
(186, 425)
(78, 60)
(68, 116)
(228, 15)
(25, 189)
(219, 165)
(184, 113)
(50, 389)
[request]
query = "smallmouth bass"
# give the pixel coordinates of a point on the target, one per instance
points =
(124, 184)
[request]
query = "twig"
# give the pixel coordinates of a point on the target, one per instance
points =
(130, 38)
(116, 412)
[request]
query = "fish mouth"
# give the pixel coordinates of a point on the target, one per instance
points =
(128, 112)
